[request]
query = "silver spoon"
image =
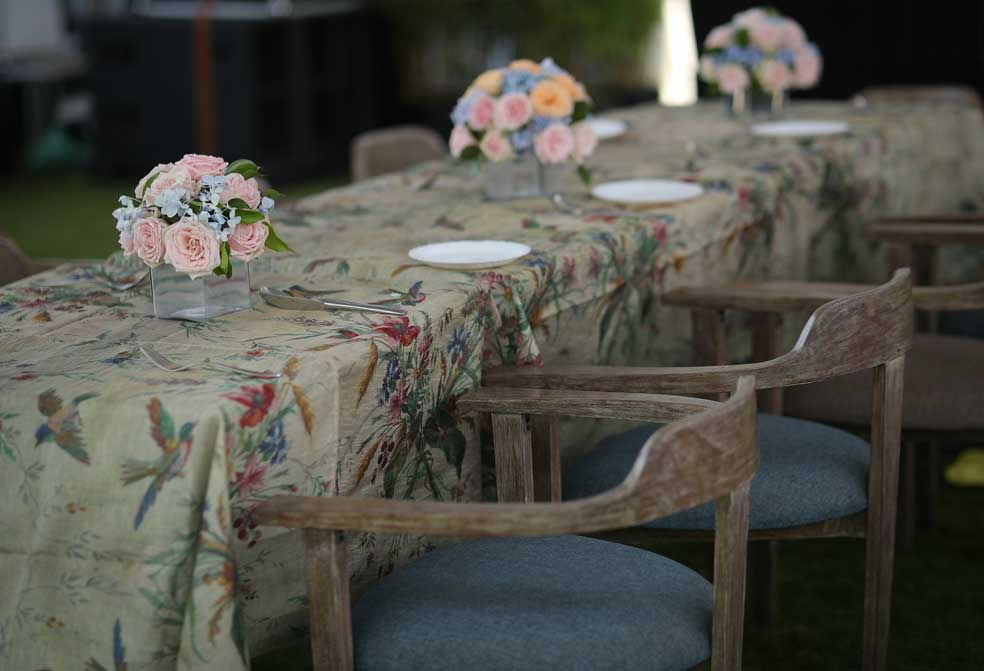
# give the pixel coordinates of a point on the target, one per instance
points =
(164, 363)
(569, 208)
(284, 300)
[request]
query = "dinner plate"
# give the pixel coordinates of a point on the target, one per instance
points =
(606, 128)
(469, 254)
(646, 191)
(800, 128)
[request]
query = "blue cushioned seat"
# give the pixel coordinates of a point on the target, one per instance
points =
(808, 472)
(568, 602)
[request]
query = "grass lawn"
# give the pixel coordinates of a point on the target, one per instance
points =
(68, 216)
(937, 613)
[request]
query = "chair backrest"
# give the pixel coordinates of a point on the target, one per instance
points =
(14, 264)
(953, 94)
(385, 150)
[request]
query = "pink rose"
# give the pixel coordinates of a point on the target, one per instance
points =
(720, 37)
(732, 78)
(750, 17)
(177, 177)
(512, 111)
(141, 185)
(481, 111)
(774, 75)
(247, 240)
(191, 247)
(126, 243)
(148, 240)
(585, 140)
(199, 165)
(555, 144)
(793, 36)
(808, 67)
(238, 186)
(767, 34)
(496, 146)
(708, 69)
(461, 139)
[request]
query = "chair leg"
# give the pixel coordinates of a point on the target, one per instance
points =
(883, 478)
(765, 556)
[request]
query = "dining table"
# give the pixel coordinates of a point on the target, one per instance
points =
(126, 490)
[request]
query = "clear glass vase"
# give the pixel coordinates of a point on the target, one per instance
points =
(756, 103)
(521, 177)
(177, 296)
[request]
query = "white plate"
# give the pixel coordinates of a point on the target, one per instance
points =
(469, 254)
(800, 128)
(607, 128)
(646, 191)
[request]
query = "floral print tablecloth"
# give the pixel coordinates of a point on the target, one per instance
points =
(125, 491)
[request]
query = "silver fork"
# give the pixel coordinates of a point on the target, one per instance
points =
(164, 363)
(567, 207)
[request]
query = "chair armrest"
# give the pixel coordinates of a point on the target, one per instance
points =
(943, 229)
(622, 380)
(762, 296)
(642, 407)
(345, 513)
(955, 297)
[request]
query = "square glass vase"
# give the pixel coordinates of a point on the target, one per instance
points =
(521, 177)
(177, 296)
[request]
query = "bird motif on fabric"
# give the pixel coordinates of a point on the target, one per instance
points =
(119, 653)
(64, 426)
(411, 296)
(175, 450)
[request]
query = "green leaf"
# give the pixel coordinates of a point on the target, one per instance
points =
(149, 182)
(244, 167)
(225, 263)
(581, 109)
(273, 240)
(742, 38)
(273, 193)
(584, 172)
(250, 216)
(471, 153)
(196, 206)
(239, 204)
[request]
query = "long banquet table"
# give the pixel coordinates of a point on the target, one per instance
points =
(125, 490)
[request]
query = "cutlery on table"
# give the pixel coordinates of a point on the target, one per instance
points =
(103, 279)
(164, 363)
(567, 207)
(286, 301)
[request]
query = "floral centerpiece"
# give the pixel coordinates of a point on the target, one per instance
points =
(527, 113)
(200, 216)
(760, 51)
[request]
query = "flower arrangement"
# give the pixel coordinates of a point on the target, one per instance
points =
(760, 49)
(197, 214)
(525, 107)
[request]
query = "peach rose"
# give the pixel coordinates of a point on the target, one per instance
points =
(481, 111)
(585, 140)
(512, 111)
(550, 99)
(496, 146)
(719, 38)
(191, 247)
(247, 240)
(708, 69)
(731, 78)
(199, 165)
(177, 177)
(808, 67)
(142, 184)
(573, 87)
(461, 138)
(767, 34)
(238, 186)
(489, 82)
(555, 144)
(148, 240)
(793, 36)
(526, 64)
(774, 75)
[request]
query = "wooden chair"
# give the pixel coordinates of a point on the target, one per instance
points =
(944, 372)
(15, 264)
(555, 601)
(953, 93)
(815, 481)
(377, 152)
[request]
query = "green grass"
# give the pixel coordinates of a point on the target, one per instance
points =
(69, 216)
(937, 614)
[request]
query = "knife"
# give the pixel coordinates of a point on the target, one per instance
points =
(284, 300)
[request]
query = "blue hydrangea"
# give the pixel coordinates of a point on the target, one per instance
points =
(539, 124)
(748, 56)
(551, 69)
(171, 202)
(522, 139)
(787, 56)
(520, 81)
(462, 109)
